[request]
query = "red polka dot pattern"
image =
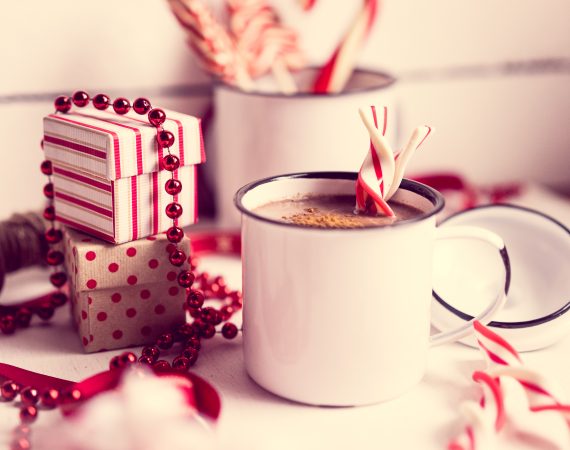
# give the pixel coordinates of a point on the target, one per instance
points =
(134, 300)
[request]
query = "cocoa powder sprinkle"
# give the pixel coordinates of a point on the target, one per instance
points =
(327, 220)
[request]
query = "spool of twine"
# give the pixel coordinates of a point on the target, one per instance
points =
(22, 243)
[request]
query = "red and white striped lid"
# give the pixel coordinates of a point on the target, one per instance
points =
(109, 146)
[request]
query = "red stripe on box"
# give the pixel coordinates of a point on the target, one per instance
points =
(175, 197)
(195, 194)
(154, 202)
(202, 147)
(180, 140)
(113, 203)
(134, 206)
(116, 147)
(137, 138)
(84, 204)
(74, 146)
(86, 229)
(82, 179)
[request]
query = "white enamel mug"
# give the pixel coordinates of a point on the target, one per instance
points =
(342, 317)
(262, 133)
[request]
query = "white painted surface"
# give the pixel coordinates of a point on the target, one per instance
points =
(253, 419)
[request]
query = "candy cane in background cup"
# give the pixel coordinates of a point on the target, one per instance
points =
(267, 44)
(336, 72)
(264, 133)
(342, 316)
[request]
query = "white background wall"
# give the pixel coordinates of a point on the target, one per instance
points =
(492, 76)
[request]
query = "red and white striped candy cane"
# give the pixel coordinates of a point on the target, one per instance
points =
(504, 361)
(265, 42)
(212, 45)
(377, 170)
(307, 5)
(334, 75)
(485, 418)
(418, 137)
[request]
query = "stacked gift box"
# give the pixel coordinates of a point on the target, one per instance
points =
(109, 195)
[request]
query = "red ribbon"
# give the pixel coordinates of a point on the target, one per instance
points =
(200, 394)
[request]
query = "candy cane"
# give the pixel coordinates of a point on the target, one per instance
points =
(210, 42)
(504, 360)
(484, 418)
(377, 171)
(265, 42)
(307, 5)
(418, 137)
(334, 75)
(504, 367)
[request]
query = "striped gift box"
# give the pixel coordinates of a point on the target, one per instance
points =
(107, 176)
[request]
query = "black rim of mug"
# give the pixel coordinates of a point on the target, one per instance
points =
(424, 191)
(389, 80)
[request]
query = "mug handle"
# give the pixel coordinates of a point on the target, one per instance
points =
(480, 234)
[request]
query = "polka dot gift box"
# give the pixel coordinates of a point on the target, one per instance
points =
(122, 295)
(108, 175)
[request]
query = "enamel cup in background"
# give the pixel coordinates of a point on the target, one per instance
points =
(263, 133)
(342, 317)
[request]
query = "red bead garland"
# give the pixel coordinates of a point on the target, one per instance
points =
(141, 106)
(101, 102)
(121, 106)
(21, 316)
(80, 98)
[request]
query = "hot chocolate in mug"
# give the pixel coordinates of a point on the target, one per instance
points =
(342, 316)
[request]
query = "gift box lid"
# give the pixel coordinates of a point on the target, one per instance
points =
(111, 146)
(537, 310)
(95, 264)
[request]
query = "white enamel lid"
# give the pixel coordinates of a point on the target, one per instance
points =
(467, 275)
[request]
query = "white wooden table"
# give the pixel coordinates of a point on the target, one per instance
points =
(425, 418)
